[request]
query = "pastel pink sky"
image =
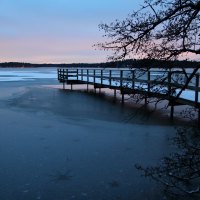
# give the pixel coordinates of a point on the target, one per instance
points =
(57, 31)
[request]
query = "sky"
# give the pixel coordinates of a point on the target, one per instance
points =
(57, 31)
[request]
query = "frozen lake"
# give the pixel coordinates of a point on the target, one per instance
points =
(62, 145)
(22, 74)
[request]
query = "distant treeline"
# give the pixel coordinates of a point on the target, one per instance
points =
(121, 64)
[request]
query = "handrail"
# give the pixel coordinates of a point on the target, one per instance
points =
(127, 77)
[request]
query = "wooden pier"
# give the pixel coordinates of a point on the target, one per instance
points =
(128, 81)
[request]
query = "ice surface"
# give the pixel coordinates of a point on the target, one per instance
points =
(10, 74)
(46, 133)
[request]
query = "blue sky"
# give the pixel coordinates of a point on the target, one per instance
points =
(57, 31)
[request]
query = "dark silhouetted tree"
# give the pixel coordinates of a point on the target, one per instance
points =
(164, 30)
(161, 29)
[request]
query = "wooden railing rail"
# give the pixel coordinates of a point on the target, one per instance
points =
(129, 78)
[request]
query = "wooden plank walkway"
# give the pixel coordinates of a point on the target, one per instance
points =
(150, 83)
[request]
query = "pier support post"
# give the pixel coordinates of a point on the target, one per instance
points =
(87, 87)
(71, 86)
(172, 111)
(145, 100)
(99, 90)
(95, 90)
(122, 98)
(63, 85)
(115, 94)
(198, 118)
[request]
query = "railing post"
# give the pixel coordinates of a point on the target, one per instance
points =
(59, 76)
(149, 79)
(58, 72)
(101, 77)
(170, 95)
(197, 97)
(62, 74)
(110, 76)
(133, 79)
(82, 74)
(197, 90)
(66, 74)
(94, 79)
(87, 80)
(94, 75)
(169, 84)
(121, 85)
(64, 78)
(121, 78)
(77, 74)
(87, 75)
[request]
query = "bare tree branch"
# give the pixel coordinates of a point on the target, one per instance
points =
(160, 29)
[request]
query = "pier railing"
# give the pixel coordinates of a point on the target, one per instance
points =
(149, 81)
